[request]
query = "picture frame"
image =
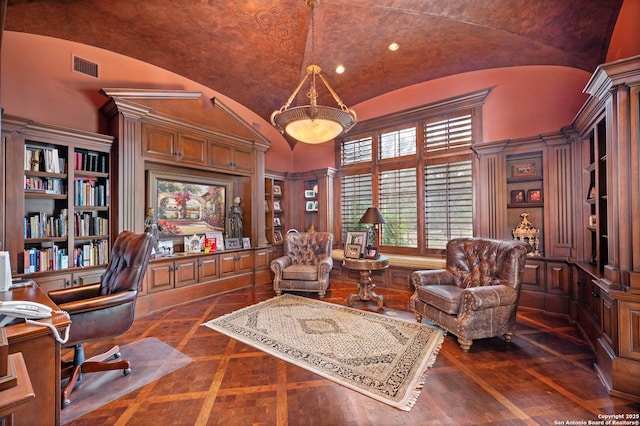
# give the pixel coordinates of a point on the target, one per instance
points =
(315, 206)
(356, 237)
(277, 190)
(534, 196)
(371, 253)
(352, 251)
(266, 206)
(277, 221)
(193, 243)
(309, 193)
(233, 243)
(165, 248)
(276, 206)
(592, 192)
(518, 196)
(246, 242)
(310, 206)
(218, 240)
(188, 205)
(593, 221)
(277, 236)
(524, 169)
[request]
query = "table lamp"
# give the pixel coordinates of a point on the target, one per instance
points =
(374, 217)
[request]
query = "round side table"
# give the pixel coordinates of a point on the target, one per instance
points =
(365, 285)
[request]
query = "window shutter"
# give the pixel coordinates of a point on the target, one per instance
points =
(454, 132)
(397, 202)
(356, 151)
(356, 198)
(398, 143)
(448, 203)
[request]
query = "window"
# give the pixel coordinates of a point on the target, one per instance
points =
(416, 167)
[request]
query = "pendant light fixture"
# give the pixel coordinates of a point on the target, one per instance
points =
(313, 123)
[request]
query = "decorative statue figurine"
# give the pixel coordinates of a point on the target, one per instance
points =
(152, 226)
(235, 219)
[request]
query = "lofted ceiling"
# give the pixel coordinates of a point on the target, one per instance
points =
(256, 51)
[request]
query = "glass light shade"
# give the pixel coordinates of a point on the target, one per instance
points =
(328, 123)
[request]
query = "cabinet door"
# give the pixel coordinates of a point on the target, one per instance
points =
(227, 264)
(186, 272)
(208, 268)
(159, 276)
(558, 278)
(243, 160)
(220, 155)
(88, 278)
(54, 282)
(158, 142)
(193, 149)
(245, 261)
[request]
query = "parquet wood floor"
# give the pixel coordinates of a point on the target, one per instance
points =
(545, 377)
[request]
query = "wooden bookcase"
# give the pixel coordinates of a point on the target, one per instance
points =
(275, 208)
(58, 184)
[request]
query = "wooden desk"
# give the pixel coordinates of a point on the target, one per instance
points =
(366, 286)
(41, 353)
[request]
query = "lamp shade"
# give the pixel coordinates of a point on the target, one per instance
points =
(372, 215)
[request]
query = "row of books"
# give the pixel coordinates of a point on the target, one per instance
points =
(91, 161)
(55, 258)
(43, 159)
(42, 225)
(44, 185)
(87, 225)
(90, 192)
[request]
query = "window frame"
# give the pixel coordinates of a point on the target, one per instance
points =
(471, 103)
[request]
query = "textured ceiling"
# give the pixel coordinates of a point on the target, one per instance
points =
(256, 51)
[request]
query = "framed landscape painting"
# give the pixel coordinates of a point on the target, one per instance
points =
(188, 205)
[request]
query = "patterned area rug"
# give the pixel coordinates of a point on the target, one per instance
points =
(382, 357)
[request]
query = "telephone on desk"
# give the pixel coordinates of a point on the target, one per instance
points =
(30, 311)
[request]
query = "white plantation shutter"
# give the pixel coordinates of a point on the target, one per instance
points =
(356, 151)
(397, 195)
(454, 132)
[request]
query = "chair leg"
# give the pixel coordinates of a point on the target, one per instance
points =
(321, 294)
(465, 344)
(508, 336)
(418, 316)
(92, 365)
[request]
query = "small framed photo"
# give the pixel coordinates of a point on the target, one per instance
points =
(352, 251)
(233, 243)
(593, 221)
(277, 236)
(266, 206)
(309, 206)
(356, 237)
(534, 196)
(518, 196)
(277, 190)
(592, 192)
(309, 193)
(216, 241)
(371, 253)
(277, 221)
(276, 206)
(246, 242)
(525, 169)
(165, 248)
(315, 206)
(193, 244)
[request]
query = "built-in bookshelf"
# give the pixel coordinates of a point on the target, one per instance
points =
(61, 218)
(274, 206)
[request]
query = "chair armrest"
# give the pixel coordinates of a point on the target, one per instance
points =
(99, 302)
(324, 266)
(71, 294)
(486, 297)
(431, 277)
(278, 265)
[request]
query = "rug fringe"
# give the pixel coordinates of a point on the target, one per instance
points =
(415, 393)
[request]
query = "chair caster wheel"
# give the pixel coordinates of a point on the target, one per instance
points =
(117, 355)
(66, 403)
(127, 371)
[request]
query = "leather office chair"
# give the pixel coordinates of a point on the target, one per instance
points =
(104, 310)
(306, 263)
(477, 295)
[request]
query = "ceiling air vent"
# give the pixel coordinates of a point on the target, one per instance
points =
(85, 67)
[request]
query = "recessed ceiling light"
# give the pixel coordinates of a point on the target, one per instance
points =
(340, 69)
(394, 46)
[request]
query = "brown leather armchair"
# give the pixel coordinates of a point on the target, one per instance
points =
(476, 296)
(306, 263)
(104, 310)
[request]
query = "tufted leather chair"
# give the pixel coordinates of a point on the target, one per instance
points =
(476, 296)
(306, 263)
(104, 310)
